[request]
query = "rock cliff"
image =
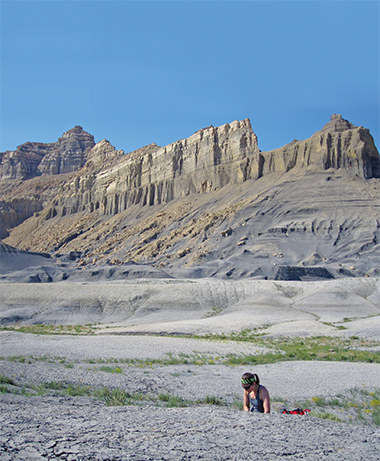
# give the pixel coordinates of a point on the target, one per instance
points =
(31, 159)
(212, 201)
(208, 160)
(338, 145)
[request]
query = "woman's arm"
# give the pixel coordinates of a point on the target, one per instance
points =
(246, 403)
(264, 395)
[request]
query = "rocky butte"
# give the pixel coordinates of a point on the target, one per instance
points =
(212, 204)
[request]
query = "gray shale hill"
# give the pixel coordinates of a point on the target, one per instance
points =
(209, 205)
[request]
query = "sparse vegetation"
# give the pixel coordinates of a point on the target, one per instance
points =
(213, 312)
(212, 400)
(357, 406)
(6, 380)
(325, 415)
(173, 400)
(3, 389)
(277, 350)
(311, 348)
(35, 358)
(111, 369)
(110, 396)
(54, 385)
(73, 390)
(351, 349)
(114, 397)
(45, 329)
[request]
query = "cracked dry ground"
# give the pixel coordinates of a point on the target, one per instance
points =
(79, 428)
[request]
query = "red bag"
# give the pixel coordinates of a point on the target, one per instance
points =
(297, 411)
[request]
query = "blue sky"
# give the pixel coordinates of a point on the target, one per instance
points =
(137, 72)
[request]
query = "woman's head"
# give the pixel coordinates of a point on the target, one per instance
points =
(248, 379)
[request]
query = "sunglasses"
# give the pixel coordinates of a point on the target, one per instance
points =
(247, 387)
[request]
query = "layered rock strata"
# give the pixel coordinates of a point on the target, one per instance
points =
(209, 199)
(31, 159)
(339, 144)
(206, 161)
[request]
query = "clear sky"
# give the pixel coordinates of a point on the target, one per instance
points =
(137, 72)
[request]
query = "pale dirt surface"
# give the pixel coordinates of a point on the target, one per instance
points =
(81, 428)
(202, 306)
(72, 428)
(284, 380)
(77, 429)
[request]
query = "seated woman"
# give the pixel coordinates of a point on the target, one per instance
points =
(256, 396)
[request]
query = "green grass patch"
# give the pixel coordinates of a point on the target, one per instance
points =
(319, 401)
(212, 400)
(3, 389)
(6, 380)
(376, 417)
(32, 359)
(54, 385)
(325, 415)
(114, 397)
(172, 400)
(45, 329)
(74, 391)
(109, 369)
(213, 312)
(238, 403)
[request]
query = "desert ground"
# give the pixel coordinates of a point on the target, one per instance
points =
(182, 395)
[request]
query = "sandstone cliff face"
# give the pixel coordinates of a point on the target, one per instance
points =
(31, 159)
(208, 160)
(338, 145)
(70, 152)
(180, 204)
